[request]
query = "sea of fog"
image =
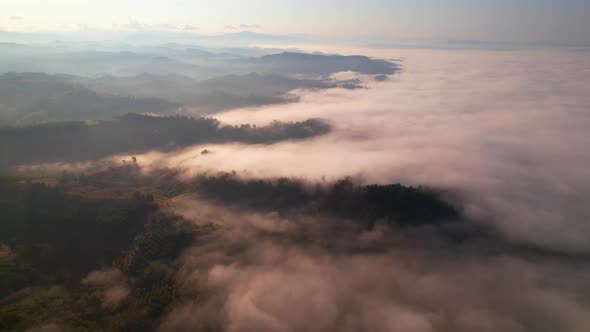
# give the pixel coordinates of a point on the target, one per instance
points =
(505, 131)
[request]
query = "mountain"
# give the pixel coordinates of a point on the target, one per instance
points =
(29, 98)
(133, 133)
(319, 64)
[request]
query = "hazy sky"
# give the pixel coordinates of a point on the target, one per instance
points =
(563, 21)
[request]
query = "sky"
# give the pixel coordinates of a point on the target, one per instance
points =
(556, 21)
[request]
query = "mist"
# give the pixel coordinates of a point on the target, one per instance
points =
(504, 130)
(271, 272)
(179, 187)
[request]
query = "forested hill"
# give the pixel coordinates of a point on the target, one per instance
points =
(34, 98)
(79, 141)
(100, 252)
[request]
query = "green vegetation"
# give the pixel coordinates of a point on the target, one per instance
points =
(78, 141)
(30, 98)
(404, 206)
(51, 240)
(108, 262)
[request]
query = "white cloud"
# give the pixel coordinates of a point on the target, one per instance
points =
(265, 272)
(505, 130)
(135, 25)
(112, 284)
(190, 27)
(242, 27)
(249, 26)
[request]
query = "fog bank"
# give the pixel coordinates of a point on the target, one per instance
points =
(265, 272)
(506, 130)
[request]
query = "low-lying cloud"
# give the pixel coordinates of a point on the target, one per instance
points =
(112, 284)
(504, 130)
(266, 272)
(242, 27)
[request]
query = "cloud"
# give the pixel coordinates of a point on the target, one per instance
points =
(113, 285)
(136, 25)
(132, 24)
(506, 131)
(242, 27)
(270, 272)
(15, 18)
(189, 27)
(60, 167)
(249, 26)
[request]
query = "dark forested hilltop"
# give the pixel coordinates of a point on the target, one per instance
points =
(402, 205)
(398, 204)
(50, 241)
(322, 64)
(79, 141)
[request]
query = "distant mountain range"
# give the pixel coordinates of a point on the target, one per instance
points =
(51, 85)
